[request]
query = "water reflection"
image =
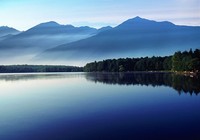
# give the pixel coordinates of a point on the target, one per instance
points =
(35, 76)
(70, 106)
(181, 83)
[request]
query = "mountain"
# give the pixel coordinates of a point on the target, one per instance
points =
(24, 46)
(6, 32)
(105, 28)
(135, 37)
(52, 28)
(52, 43)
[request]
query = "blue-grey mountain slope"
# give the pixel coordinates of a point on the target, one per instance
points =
(6, 32)
(24, 46)
(135, 37)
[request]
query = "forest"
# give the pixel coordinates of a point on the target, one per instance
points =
(179, 61)
(38, 68)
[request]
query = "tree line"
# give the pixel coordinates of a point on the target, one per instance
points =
(180, 61)
(38, 68)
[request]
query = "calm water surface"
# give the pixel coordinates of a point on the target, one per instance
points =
(99, 106)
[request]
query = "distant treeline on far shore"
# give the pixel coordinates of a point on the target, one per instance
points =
(180, 61)
(38, 68)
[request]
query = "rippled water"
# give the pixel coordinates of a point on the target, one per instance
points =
(99, 106)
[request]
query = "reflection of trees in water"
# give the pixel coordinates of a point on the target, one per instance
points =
(181, 83)
(186, 84)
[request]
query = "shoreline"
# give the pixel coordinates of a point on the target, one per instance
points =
(185, 73)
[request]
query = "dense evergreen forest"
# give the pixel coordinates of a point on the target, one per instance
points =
(38, 68)
(180, 61)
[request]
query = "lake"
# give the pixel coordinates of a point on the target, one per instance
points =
(99, 106)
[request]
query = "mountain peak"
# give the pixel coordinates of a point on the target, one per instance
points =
(137, 17)
(142, 23)
(69, 26)
(104, 28)
(48, 24)
(4, 27)
(7, 28)
(45, 25)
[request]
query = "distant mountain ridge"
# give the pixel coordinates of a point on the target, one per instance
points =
(25, 45)
(6, 32)
(135, 37)
(141, 23)
(51, 28)
(52, 43)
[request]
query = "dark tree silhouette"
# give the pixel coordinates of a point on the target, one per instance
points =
(180, 61)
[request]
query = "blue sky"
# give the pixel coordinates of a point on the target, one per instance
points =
(23, 14)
